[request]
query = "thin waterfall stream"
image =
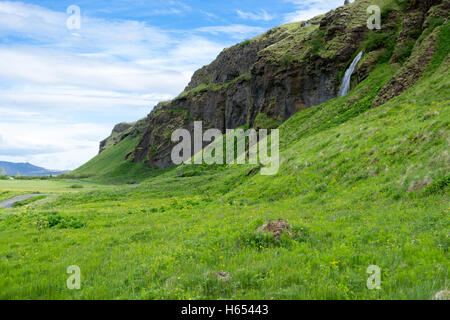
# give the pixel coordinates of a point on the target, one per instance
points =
(345, 86)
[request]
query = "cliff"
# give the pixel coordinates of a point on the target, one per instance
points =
(262, 82)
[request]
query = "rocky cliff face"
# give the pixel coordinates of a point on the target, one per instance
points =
(121, 131)
(264, 81)
(418, 21)
(273, 76)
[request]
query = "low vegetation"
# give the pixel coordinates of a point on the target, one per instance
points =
(28, 201)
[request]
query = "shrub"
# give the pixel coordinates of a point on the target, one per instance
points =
(376, 40)
(438, 186)
(245, 43)
(317, 40)
(259, 240)
(56, 220)
(403, 51)
(287, 59)
(262, 121)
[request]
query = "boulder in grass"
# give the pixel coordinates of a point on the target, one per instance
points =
(224, 276)
(277, 228)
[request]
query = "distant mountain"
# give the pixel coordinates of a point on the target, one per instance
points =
(25, 169)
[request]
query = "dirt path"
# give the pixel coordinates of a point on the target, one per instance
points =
(9, 203)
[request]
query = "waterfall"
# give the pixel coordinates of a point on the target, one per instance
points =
(345, 86)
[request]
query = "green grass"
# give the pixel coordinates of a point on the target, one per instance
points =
(360, 186)
(111, 167)
(5, 195)
(214, 87)
(28, 201)
(264, 122)
(42, 186)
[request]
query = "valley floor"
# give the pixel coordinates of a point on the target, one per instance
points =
(131, 243)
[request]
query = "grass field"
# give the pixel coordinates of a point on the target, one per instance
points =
(47, 186)
(360, 186)
(130, 244)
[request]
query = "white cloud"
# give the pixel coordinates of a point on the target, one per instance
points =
(30, 19)
(303, 15)
(178, 8)
(53, 83)
(47, 67)
(66, 98)
(55, 144)
(210, 16)
(237, 31)
(256, 16)
(111, 55)
(308, 9)
(109, 65)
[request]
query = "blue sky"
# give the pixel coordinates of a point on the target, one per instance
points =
(62, 91)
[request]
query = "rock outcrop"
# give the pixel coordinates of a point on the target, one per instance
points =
(273, 76)
(121, 131)
(276, 228)
(263, 81)
(418, 17)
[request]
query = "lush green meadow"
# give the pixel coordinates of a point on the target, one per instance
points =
(360, 186)
(47, 186)
(133, 244)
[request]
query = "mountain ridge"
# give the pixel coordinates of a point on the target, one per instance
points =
(264, 81)
(26, 169)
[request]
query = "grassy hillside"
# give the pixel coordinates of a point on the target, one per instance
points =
(111, 166)
(360, 185)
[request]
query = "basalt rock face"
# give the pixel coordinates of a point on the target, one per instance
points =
(285, 70)
(418, 17)
(232, 62)
(121, 131)
(273, 76)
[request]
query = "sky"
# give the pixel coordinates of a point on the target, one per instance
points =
(64, 85)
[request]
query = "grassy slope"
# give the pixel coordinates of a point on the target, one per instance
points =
(352, 180)
(44, 186)
(111, 166)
